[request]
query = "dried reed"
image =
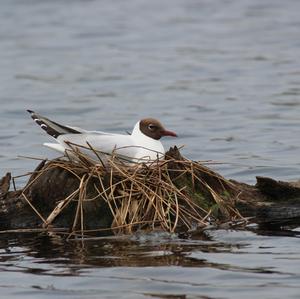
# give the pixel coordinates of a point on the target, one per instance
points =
(172, 194)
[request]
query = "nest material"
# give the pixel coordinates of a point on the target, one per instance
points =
(172, 194)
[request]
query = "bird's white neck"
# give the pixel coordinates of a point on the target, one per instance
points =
(136, 130)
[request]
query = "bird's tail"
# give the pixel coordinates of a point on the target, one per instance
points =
(52, 128)
(56, 146)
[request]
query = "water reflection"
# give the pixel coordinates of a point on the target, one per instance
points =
(152, 249)
(137, 251)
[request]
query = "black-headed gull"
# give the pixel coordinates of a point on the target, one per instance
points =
(142, 145)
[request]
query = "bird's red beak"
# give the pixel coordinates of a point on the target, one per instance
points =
(168, 133)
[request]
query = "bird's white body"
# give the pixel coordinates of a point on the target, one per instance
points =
(136, 147)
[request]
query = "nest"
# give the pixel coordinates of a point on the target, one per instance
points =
(174, 194)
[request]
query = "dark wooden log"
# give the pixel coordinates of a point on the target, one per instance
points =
(282, 205)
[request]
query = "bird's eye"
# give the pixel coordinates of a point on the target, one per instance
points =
(152, 127)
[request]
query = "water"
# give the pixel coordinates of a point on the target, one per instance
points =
(223, 74)
(217, 264)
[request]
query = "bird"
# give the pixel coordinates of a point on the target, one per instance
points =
(143, 145)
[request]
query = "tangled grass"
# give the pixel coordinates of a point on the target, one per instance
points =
(173, 194)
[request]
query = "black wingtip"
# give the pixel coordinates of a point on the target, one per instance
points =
(30, 111)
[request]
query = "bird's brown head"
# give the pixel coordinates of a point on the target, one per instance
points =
(154, 129)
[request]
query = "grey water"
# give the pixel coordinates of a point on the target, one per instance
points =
(223, 74)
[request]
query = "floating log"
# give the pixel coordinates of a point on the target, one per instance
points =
(174, 195)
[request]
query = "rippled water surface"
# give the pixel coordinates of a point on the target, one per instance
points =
(223, 74)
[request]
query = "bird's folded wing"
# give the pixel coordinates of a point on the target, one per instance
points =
(89, 132)
(105, 143)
